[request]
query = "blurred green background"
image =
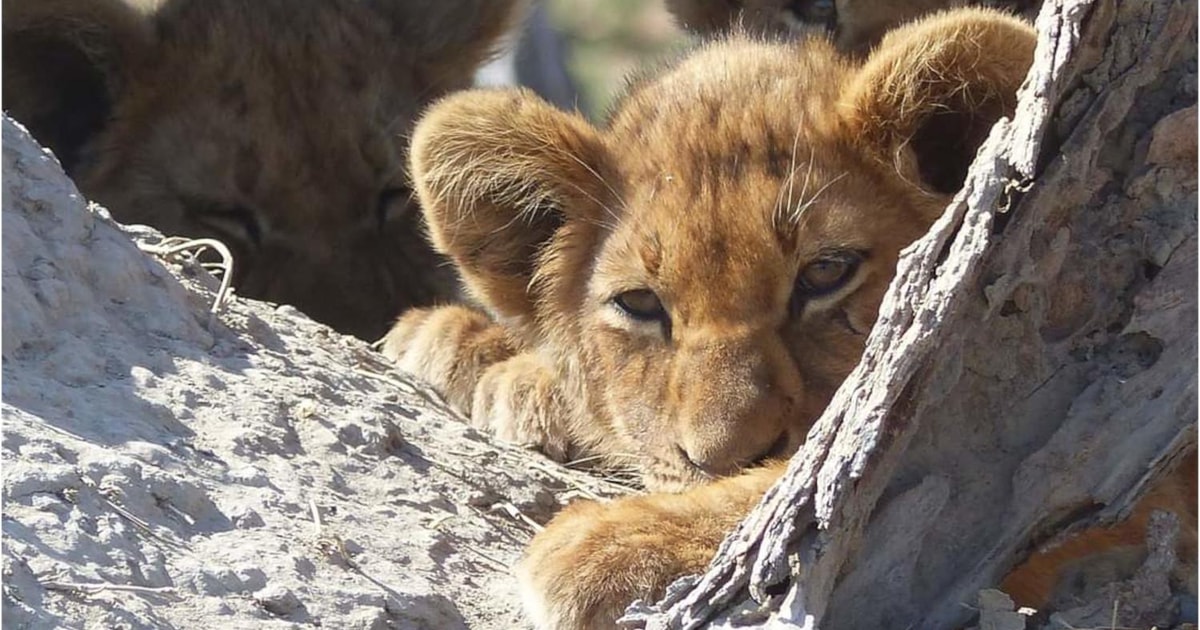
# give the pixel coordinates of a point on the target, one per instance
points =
(607, 39)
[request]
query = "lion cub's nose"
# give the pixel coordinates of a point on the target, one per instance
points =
(740, 409)
(718, 460)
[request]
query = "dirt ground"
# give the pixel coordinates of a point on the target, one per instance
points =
(164, 468)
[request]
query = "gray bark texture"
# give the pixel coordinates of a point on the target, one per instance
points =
(1034, 366)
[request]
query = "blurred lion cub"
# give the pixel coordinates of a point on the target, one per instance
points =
(277, 126)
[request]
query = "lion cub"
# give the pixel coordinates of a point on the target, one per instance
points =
(276, 126)
(683, 289)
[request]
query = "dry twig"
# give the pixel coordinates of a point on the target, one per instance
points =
(193, 248)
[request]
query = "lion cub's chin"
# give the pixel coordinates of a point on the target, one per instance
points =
(674, 478)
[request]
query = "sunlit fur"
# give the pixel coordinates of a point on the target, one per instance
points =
(201, 116)
(855, 25)
(1116, 550)
(716, 180)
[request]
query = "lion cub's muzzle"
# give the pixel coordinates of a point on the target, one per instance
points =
(737, 404)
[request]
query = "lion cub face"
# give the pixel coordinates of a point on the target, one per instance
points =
(705, 270)
(755, 243)
(721, 318)
(276, 127)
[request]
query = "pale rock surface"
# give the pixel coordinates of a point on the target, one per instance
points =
(145, 447)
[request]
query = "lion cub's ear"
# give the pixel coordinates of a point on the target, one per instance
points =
(508, 184)
(65, 64)
(927, 97)
(450, 38)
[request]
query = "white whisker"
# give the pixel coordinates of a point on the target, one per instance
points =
(800, 211)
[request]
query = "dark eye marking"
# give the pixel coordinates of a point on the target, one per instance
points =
(643, 305)
(827, 274)
(640, 304)
(232, 220)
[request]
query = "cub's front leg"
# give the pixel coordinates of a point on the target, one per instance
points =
(593, 559)
(448, 347)
(477, 366)
(520, 401)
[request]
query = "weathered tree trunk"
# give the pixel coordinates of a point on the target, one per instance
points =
(1034, 365)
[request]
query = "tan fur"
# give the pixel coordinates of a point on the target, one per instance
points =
(854, 25)
(594, 559)
(717, 184)
(278, 126)
(1035, 581)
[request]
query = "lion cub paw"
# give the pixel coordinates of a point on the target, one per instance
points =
(594, 559)
(519, 402)
(448, 347)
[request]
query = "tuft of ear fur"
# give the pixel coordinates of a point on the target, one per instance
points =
(65, 62)
(451, 37)
(705, 17)
(506, 182)
(854, 26)
(927, 97)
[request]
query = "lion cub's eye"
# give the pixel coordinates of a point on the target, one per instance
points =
(233, 221)
(824, 276)
(641, 304)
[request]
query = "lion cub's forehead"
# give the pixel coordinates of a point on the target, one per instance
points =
(734, 171)
(740, 122)
(733, 141)
(735, 90)
(324, 66)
